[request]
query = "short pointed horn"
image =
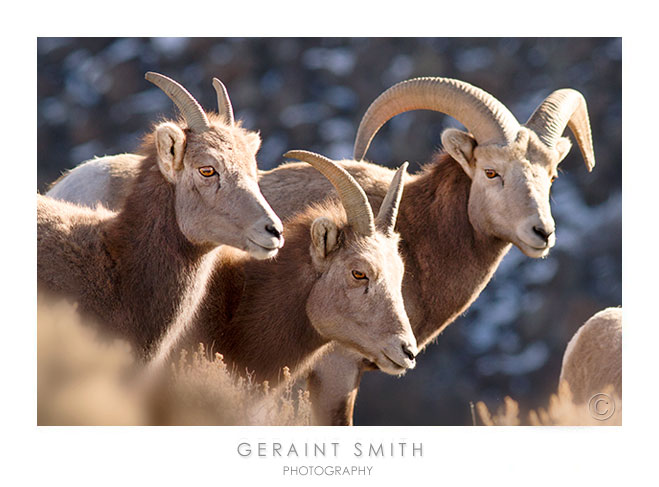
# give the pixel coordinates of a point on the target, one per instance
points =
(353, 198)
(224, 107)
(565, 107)
(191, 110)
(484, 116)
(386, 219)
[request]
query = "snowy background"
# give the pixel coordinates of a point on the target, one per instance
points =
(310, 94)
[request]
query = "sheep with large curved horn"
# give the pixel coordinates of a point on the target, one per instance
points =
(486, 118)
(565, 107)
(483, 115)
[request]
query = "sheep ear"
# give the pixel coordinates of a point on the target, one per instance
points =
(324, 237)
(253, 142)
(563, 146)
(170, 146)
(460, 146)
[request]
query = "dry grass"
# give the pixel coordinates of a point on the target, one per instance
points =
(81, 381)
(561, 411)
(85, 381)
(203, 391)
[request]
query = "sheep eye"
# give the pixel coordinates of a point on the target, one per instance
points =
(207, 171)
(359, 275)
(491, 173)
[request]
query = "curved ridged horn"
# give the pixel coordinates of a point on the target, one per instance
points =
(485, 117)
(386, 219)
(191, 110)
(224, 107)
(565, 107)
(353, 198)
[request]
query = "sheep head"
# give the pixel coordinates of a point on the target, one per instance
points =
(356, 298)
(511, 166)
(211, 162)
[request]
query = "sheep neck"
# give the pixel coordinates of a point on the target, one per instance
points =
(447, 262)
(156, 266)
(269, 329)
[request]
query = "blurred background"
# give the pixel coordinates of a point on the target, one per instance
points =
(310, 93)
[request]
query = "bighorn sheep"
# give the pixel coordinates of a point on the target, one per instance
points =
(459, 215)
(593, 357)
(142, 271)
(338, 278)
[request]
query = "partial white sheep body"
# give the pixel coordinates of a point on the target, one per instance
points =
(102, 180)
(593, 357)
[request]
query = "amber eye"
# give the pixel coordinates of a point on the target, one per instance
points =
(359, 275)
(207, 171)
(491, 173)
(554, 178)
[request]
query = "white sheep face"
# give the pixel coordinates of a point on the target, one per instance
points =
(357, 298)
(218, 200)
(509, 196)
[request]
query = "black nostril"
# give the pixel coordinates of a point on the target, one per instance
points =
(408, 352)
(542, 233)
(271, 229)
